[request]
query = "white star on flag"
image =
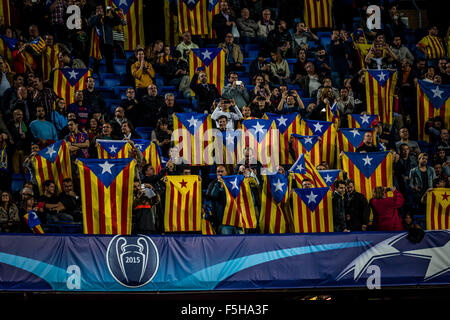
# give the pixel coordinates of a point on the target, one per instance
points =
(328, 178)
(300, 167)
(282, 121)
(365, 118)
(139, 146)
(206, 54)
(312, 197)
(382, 76)
(278, 186)
(192, 122)
(106, 167)
(318, 126)
(355, 132)
(230, 139)
(234, 184)
(51, 151)
(113, 148)
(308, 140)
(191, 1)
(437, 92)
(367, 161)
(123, 2)
(73, 74)
(258, 128)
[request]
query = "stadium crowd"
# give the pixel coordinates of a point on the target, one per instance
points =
(327, 69)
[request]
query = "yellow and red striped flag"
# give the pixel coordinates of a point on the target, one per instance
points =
(438, 209)
(38, 45)
(364, 121)
(362, 49)
(171, 23)
(33, 221)
(192, 135)
(207, 227)
(50, 60)
(327, 132)
(240, 207)
(312, 210)
(151, 153)
(350, 139)
(227, 147)
(380, 87)
(286, 124)
(368, 170)
(133, 12)
(52, 163)
(183, 207)
(94, 50)
(432, 101)
(213, 62)
(5, 12)
(433, 46)
(7, 46)
(303, 169)
(275, 215)
(309, 146)
(317, 14)
(262, 138)
(114, 149)
(107, 195)
(333, 114)
(213, 9)
(67, 81)
(193, 16)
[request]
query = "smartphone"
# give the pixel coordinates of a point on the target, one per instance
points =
(238, 82)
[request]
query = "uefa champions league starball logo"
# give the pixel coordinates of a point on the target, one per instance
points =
(132, 261)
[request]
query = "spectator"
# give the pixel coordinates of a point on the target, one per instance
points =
(299, 66)
(81, 109)
(339, 213)
(223, 22)
(142, 72)
(6, 78)
(403, 163)
(71, 201)
(150, 108)
(117, 121)
(247, 27)
(21, 136)
(163, 136)
(233, 54)
(43, 131)
(22, 61)
(66, 61)
(421, 177)
(385, 208)
(259, 66)
(356, 208)
(408, 222)
(400, 50)
(216, 197)
(10, 95)
(43, 96)
(93, 97)
(186, 45)
(50, 206)
(367, 144)
(290, 102)
(429, 74)
(260, 106)
(322, 62)
(106, 133)
(144, 215)
(59, 116)
(376, 60)
(444, 141)
(28, 164)
(118, 34)
(205, 93)
(404, 139)
(9, 214)
(312, 81)
(131, 105)
(431, 45)
(235, 90)
(345, 104)
(326, 83)
(224, 108)
(170, 107)
(265, 25)
(279, 68)
(78, 141)
(5, 155)
(128, 132)
(279, 35)
(175, 69)
(302, 35)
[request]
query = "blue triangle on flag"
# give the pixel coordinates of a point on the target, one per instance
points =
(381, 76)
(329, 176)
(364, 120)
(312, 197)
(191, 3)
(299, 166)
(437, 94)
(192, 121)
(123, 4)
(212, 4)
(113, 147)
(233, 184)
(33, 219)
(141, 144)
(51, 152)
(318, 127)
(207, 55)
(367, 162)
(355, 136)
(278, 186)
(106, 170)
(282, 121)
(230, 138)
(308, 142)
(73, 75)
(258, 127)
(10, 42)
(334, 109)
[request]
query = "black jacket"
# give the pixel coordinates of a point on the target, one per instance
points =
(219, 24)
(205, 95)
(357, 207)
(338, 213)
(150, 109)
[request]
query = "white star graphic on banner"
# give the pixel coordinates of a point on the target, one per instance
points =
(258, 128)
(312, 197)
(192, 122)
(318, 127)
(51, 151)
(73, 74)
(282, 121)
(367, 161)
(308, 140)
(234, 184)
(355, 132)
(365, 118)
(106, 167)
(382, 76)
(113, 149)
(437, 92)
(328, 178)
(278, 186)
(206, 54)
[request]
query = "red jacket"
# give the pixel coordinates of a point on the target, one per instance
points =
(386, 216)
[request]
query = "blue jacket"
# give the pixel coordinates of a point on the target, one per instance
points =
(415, 177)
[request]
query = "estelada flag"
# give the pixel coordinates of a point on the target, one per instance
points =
(327, 132)
(438, 209)
(213, 9)
(262, 138)
(133, 31)
(50, 60)
(183, 207)
(151, 153)
(94, 50)
(304, 169)
(364, 121)
(171, 22)
(107, 195)
(192, 135)
(213, 61)
(193, 16)
(227, 146)
(350, 139)
(38, 45)
(312, 210)
(317, 13)
(32, 220)
(333, 114)
(432, 101)
(309, 146)
(240, 207)
(7, 46)
(5, 12)
(362, 49)
(380, 87)
(330, 176)
(52, 163)
(207, 227)
(67, 81)
(113, 149)
(368, 170)
(275, 215)
(286, 124)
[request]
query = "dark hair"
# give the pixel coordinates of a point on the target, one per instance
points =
(47, 183)
(338, 182)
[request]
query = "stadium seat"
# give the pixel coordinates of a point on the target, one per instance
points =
(145, 132)
(129, 53)
(121, 92)
(111, 82)
(17, 182)
(107, 92)
(120, 66)
(307, 101)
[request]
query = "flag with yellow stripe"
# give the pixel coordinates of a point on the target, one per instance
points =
(5, 12)
(7, 46)
(171, 23)
(212, 60)
(67, 81)
(114, 149)
(183, 206)
(380, 87)
(52, 163)
(438, 209)
(327, 132)
(193, 16)
(94, 50)
(151, 153)
(312, 210)
(317, 13)
(364, 121)
(309, 146)
(107, 195)
(303, 169)
(50, 60)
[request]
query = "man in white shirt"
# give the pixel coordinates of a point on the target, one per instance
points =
(223, 108)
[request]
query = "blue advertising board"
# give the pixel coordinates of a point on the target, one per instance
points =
(200, 263)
